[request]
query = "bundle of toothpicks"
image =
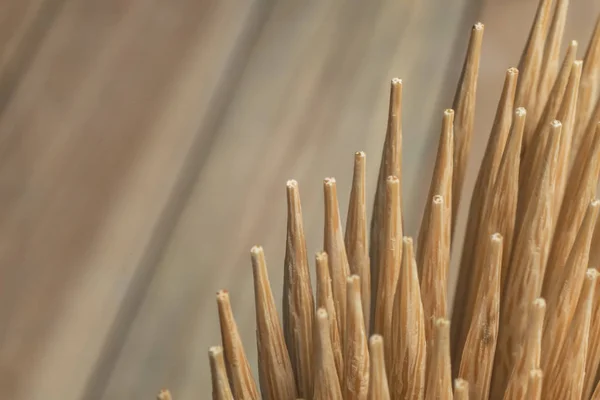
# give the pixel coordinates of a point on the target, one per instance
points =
(525, 323)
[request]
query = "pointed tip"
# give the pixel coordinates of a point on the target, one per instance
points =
(461, 389)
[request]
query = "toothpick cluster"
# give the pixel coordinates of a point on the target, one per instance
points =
(525, 323)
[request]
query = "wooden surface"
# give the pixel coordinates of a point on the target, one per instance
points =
(145, 145)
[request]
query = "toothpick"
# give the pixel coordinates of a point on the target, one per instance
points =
(484, 185)
(390, 268)
(326, 382)
(357, 246)
(563, 294)
(529, 357)
(580, 190)
(407, 373)
(242, 382)
(566, 114)
(164, 394)
(533, 156)
(298, 302)
(441, 184)
(464, 108)
(589, 88)
(274, 366)
(378, 384)
(478, 354)
(565, 378)
(551, 60)
(436, 248)
(336, 251)
(592, 361)
(325, 301)
(531, 61)
(535, 229)
(515, 328)
(535, 384)
(439, 376)
(461, 389)
(391, 165)
(218, 373)
(356, 353)
(497, 214)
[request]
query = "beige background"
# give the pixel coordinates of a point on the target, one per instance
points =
(145, 145)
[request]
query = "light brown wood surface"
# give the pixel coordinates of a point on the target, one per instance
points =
(145, 147)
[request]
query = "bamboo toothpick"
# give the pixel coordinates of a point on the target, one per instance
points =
(326, 382)
(218, 373)
(242, 382)
(378, 383)
(589, 88)
(464, 109)
(515, 320)
(531, 61)
(563, 294)
(407, 372)
(533, 158)
(439, 375)
(325, 301)
(551, 61)
(357, 246)
(529, 357)
(484, 184)
(298, 302)
(565, 378)
(436, 247)
(336, 250)
(274, 368)
(390, 267)
(566, 114)
(580, 191)
(356, 353)
(478, 355)
(441, 184)
(390, 165)
(461, 389)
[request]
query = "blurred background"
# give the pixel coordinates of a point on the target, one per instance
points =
(145, 146)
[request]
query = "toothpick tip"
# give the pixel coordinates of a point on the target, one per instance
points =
(438, 199)
(256, 250)
(396, 81)
(449, 112)
(521, 112)
(556, 123)
(591, 274)
(376, 340)
(496, 237)
(407, 240)
(512, 71)
(478, 26)
(329, 181)
(539, 303)
(292, 183)
(393, 179)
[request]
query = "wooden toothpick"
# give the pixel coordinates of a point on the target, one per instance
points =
(298, 302)
(378, 383)
(242, 382)
(356, 353)
(274, 366)
(357, 246)
(464, 109)
(220, 382)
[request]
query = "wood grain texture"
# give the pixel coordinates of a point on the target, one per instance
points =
(145, 146)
